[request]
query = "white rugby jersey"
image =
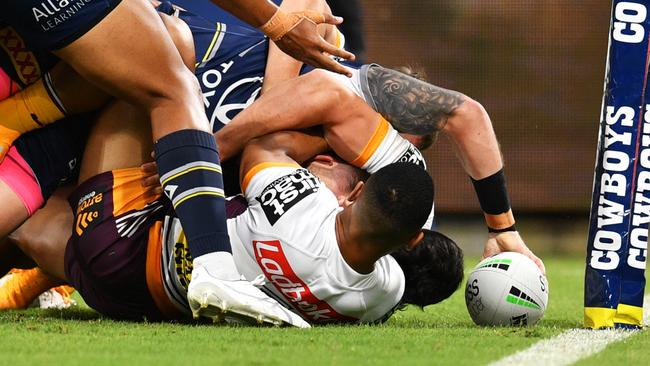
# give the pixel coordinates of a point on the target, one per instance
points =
(288, 236)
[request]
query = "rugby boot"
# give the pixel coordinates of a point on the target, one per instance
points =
(237, 301)
(20, 287)
(7, 138)
(56, 298)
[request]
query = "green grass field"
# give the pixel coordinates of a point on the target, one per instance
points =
(441, 335)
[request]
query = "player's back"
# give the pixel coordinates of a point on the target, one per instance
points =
(288, 236)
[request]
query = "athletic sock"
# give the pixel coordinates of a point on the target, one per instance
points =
(32, 108)
(190, 173)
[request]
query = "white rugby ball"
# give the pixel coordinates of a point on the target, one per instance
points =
(506, 289)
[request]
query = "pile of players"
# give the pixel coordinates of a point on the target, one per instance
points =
(324, 207)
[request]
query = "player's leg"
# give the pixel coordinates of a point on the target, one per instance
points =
(43, 238)
(140, 64)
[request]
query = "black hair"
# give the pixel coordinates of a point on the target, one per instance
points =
(433, 269)
(398, 199)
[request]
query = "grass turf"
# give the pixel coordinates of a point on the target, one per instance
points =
(441, 335)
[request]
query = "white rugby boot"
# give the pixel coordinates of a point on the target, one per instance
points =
(217, 293)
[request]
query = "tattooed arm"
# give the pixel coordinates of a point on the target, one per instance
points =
(411, 105)
(416, 107)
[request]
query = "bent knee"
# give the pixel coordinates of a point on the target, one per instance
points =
(182, 37)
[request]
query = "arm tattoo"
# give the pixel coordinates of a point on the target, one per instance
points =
(411, 105)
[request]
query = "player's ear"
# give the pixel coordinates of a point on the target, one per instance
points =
(354, 195)
(415, 241)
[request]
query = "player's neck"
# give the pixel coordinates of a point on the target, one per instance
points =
(354, 249)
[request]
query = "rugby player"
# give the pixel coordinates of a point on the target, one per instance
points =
(186, 154)
(65, 97)
(438, 108)
(106, 260)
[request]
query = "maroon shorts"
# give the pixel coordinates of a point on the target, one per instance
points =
(105, 259)
(113, 257)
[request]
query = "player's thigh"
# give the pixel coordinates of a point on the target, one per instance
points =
(13, 212)
(43, 237)
(131, 55)
(121, 138)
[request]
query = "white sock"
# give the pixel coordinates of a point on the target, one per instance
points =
(218, 264)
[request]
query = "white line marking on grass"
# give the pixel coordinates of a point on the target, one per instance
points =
(570, 346)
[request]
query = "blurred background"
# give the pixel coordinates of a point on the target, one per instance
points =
(538, 68)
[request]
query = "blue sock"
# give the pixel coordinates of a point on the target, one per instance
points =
(190, 173)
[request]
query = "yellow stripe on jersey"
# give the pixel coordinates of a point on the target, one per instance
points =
(377, 137)
(206, 56)
(258, 168)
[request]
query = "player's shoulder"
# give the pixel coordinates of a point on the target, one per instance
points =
(288, 193)
(388, 292)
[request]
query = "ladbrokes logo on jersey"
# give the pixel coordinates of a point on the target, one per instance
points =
(413, 156)
(279, 196)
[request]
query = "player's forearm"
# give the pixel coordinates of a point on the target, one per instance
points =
(470, 130)
(253, 12)
(411, 105)
(295, 104)
(282, 146)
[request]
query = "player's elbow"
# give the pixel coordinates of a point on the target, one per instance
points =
(332, 94)
(468, 116)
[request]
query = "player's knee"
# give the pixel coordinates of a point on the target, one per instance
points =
(34, 246)
(182, 37)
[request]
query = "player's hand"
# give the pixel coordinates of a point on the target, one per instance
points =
(510, 241)
(151, 178)
(303, 42)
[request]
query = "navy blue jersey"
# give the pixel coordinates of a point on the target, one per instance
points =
(231, 58)
(49, 25)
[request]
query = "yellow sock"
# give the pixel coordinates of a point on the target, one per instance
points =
(29, 109)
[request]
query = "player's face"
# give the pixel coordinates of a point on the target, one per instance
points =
(332, 172)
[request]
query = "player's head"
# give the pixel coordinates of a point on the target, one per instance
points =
(339, 176)
(433, 269)
(394, 204)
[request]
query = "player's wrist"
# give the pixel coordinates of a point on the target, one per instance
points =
(282, 23)
(493, 197)
(279, 24)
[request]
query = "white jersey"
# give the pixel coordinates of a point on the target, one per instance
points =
(288, 236)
